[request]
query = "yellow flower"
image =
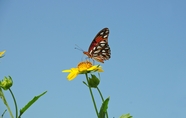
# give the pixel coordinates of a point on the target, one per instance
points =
(82, 68)
(1, 53)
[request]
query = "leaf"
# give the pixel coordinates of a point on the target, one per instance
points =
(85, 83)
(3, 114)
(104, 108)
(30, 103)
(126, 116)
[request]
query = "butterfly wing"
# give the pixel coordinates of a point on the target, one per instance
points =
(99, 48)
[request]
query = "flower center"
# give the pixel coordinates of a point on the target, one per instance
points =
(84, 65)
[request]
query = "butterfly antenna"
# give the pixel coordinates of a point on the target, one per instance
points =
(78, 48)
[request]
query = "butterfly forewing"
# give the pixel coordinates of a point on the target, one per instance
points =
(99, 48)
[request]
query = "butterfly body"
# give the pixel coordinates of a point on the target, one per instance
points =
(99, 49)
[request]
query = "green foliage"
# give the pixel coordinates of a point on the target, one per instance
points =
(30, 103)
(126, 116)
(104, 108)
(3, 114)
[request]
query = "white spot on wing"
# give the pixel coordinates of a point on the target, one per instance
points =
(107, 48)
(103, 44)
(105, 36)
(94, 48)
(102, 41)
(97, 51)
(90, 52)
(104, 53)
(99, 47)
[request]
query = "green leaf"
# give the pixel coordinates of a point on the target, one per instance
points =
(3, 114)
(104, 108)
(85, 83)
(126, 116)
(30, 103)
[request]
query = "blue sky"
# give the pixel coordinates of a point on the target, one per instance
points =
(145, 76)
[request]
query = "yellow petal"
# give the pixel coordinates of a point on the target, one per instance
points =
(93, 68)
(72, 69)
(96, 68)
(72, 75)
(1, 53)
(100, 70)
(65, 71)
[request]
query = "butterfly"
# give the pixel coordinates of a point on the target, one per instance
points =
(99, 49)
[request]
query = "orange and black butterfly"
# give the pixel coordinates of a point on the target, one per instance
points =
(99, 49)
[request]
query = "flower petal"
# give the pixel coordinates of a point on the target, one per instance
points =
(73, 72)
(93, 68)
(72, 75)
(96, 68)
(72, 69)
(65, 71)
(100, 69)
(1, 53)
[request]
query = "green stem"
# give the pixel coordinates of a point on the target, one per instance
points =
(101, 98)
(100, 94)
(92, 97)
(6, 103)
(14, 103)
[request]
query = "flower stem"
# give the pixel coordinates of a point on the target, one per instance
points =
(6, 103)
(101, 98)
(92, 97)
(14, 103)
(100, 94)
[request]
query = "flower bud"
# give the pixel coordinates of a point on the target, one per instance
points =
(93, 81)
(6, 83)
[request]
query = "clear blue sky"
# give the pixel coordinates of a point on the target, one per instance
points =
(146, 75)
